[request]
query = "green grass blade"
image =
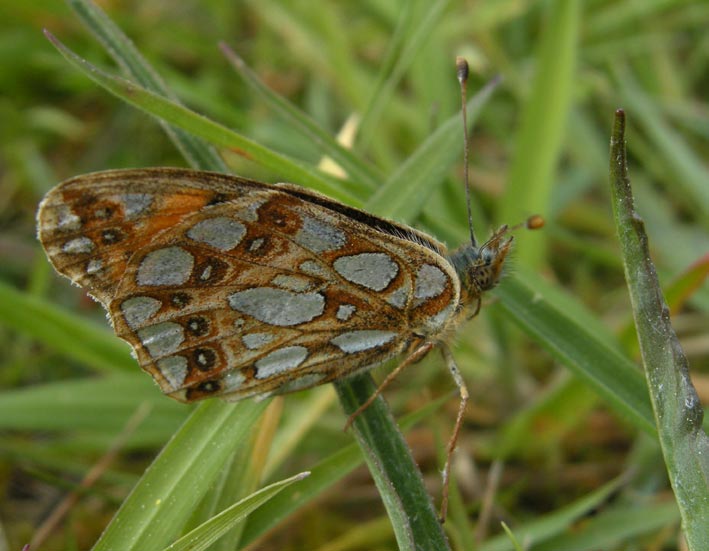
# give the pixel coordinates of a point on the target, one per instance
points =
(207, 533)
(543, 126)
(395, 473)
(578, 341)
(162, 502)
(554, 523)
(198, 153)
(678, 411)
(199, 125)
(355, 168)
(61, 330)
(72, 405)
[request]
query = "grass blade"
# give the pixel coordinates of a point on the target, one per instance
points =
(580, 342)
(540, 139)
(395, 473)
(198, 153)
(162, 502)
(61, 330)
(207, 533)
(678, 411)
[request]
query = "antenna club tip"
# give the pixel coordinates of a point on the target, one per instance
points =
(535, 222)
(461, 68)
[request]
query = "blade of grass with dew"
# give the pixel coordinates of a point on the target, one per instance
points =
(211, 131)
(357, 170)
(162, 502)
(60, 330)
(404, 194)
(121, 48)
(678, 411)
(543, 125)
(204, 535)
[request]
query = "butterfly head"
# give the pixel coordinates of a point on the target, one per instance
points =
(480, 268)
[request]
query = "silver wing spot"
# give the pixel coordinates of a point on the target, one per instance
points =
(371, 270)
(168, 266)
(278, 306)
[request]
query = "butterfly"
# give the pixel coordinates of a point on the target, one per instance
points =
(228, 287)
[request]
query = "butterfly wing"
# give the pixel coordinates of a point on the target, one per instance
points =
(229, 287)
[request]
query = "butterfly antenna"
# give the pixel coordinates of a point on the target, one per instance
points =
(461, 67)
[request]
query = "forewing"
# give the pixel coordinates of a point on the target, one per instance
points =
(91, 225)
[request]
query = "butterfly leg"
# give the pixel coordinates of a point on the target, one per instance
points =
(415, 356)
(463, 391)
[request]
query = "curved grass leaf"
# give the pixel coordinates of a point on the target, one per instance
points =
(203, 127)
(207, 533)
(121, 48)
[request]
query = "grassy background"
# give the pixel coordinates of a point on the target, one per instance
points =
(540, 145)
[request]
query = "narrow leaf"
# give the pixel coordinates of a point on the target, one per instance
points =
(678, 411)
(121, 48)
(395, 473)
(204, 535)
(543, 126)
